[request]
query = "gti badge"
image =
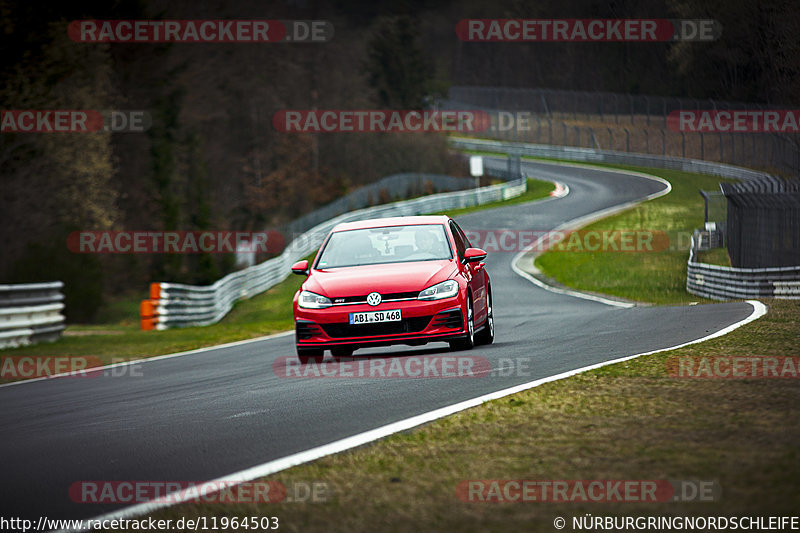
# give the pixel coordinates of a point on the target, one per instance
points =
(373, 298)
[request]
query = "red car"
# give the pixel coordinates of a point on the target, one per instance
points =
(404, 280)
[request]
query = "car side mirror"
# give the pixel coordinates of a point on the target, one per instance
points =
(474, 255)
(301, 267)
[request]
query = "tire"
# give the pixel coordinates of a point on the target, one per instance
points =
(308, 355)
(468, 342)
(486, 335)
(342, 351)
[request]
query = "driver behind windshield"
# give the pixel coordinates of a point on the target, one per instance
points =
(427, 242)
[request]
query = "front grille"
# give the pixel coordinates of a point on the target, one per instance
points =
(306, 330)
(449, 319)
(384, 297)
(407, 325)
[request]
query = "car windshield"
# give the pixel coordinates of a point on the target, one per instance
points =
(393, 244)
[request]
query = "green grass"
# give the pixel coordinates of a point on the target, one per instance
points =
(628, 421)
(715, 256)
(656, 277)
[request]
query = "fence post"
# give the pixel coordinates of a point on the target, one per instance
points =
(702, 147)
(610, 139)
(577, 136)
(647, 109)
(752, 150)
(663, 144)
(753, 143)
(616, 109)
(564, 124)
(627, 140)
(683, 145)
(646, 142)
(600, 105)
(588, 107)
(774, 149)
(575, 105)
(630, 98)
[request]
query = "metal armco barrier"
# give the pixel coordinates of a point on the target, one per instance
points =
(590, 155)
(724, 283)
(30, 313)
(177, 305)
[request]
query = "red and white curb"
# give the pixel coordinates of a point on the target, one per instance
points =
(560, 191)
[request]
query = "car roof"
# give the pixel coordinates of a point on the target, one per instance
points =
(392, 221)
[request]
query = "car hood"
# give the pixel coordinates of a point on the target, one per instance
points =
(386, 278)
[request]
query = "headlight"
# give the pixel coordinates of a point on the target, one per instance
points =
(312, 300)
(445, 289)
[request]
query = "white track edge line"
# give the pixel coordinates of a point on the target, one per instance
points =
(277, 465)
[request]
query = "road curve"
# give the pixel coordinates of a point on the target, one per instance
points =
(204, 415)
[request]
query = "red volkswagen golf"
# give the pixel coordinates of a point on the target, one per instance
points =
(404, 280)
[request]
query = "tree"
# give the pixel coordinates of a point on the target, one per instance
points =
(398, 70)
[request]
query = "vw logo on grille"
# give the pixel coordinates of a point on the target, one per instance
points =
(373, 298)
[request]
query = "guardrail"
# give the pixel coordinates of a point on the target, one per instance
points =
(724, 283)
(178, 305)
(30, 313)
(592, 155)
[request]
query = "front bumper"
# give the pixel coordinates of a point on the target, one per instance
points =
(423, 321)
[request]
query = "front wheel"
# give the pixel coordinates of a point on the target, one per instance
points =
(486, 335)
(469, 341)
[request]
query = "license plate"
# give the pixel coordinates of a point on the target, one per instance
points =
(370, 317)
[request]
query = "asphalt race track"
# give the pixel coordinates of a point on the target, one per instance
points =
(204, 415)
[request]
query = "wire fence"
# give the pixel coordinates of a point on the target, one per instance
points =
(624, 122)
(763, 224)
